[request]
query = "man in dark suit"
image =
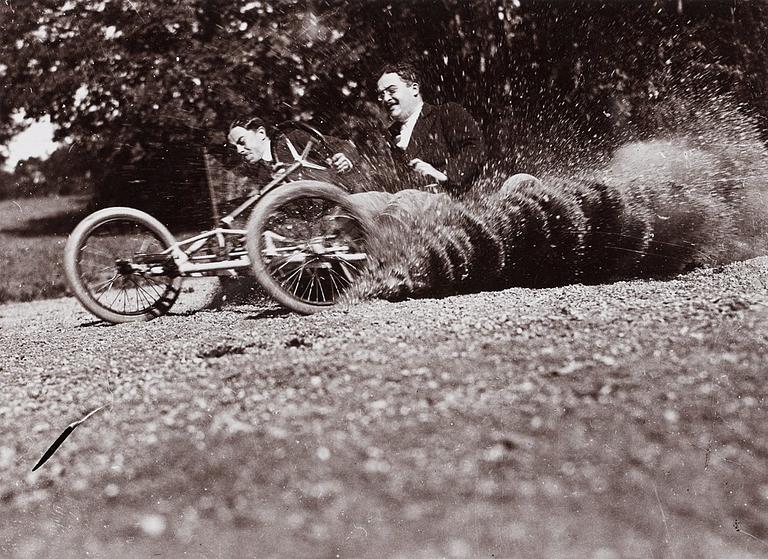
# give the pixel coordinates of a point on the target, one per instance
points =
(437, 147)
(265, 150)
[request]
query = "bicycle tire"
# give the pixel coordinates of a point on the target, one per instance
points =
(104, 240)
(329, 271)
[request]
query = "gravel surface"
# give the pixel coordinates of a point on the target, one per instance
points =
(620, 420)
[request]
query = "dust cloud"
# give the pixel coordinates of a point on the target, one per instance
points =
(694, 195)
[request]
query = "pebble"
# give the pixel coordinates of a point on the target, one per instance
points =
(152, 525)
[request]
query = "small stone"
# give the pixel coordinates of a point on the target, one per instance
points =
(152, 525)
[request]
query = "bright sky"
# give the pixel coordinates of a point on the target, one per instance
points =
(35, 141)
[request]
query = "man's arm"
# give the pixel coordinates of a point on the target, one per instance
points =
(466, 147)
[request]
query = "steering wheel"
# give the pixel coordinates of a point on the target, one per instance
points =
(320, 151)
(298, 125)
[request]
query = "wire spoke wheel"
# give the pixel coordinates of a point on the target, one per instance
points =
(119, 268)
(307, 244)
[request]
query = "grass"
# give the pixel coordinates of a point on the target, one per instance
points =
(33, 232)
(32, 267)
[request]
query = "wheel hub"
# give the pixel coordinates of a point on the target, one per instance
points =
(124, 268)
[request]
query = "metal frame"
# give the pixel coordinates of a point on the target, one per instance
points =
(223, 258)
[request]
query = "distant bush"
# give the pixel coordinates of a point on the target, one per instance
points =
(64, 172)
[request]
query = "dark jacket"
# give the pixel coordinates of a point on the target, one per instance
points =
(448, 138)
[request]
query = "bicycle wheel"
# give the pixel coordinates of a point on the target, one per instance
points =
(307, 244)
(117, 264)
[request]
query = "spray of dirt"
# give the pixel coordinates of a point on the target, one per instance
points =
(694, 196)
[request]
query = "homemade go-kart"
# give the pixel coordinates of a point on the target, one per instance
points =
(304, 242)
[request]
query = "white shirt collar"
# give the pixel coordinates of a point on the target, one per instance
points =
(267, 155)
(404, 138)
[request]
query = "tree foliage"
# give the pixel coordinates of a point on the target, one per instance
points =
(140, 86)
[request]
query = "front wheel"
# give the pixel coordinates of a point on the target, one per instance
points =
(118, 264)
(307, 244)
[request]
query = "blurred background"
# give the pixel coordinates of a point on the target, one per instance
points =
(137, 95)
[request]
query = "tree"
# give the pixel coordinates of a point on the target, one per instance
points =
(141, 86)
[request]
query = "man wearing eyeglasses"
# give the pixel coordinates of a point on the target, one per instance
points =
(440, 143)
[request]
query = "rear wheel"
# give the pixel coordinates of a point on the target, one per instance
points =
(307, 244)
(118, 265)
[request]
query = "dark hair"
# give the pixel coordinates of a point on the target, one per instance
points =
(248, 123)
(405, 70)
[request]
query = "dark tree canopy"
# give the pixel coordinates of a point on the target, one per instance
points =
(141, 86)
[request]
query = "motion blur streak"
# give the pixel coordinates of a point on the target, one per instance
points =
(654, 208)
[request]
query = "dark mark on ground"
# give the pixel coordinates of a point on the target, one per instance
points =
(298, 341)
(223, 349)
(58, 442)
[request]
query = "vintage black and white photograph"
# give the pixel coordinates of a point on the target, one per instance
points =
(402, 279)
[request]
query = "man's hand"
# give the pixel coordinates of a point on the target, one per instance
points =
(340, 162)
(424, 168)
(278, 168)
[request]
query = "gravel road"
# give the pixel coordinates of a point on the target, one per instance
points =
(620, 420)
